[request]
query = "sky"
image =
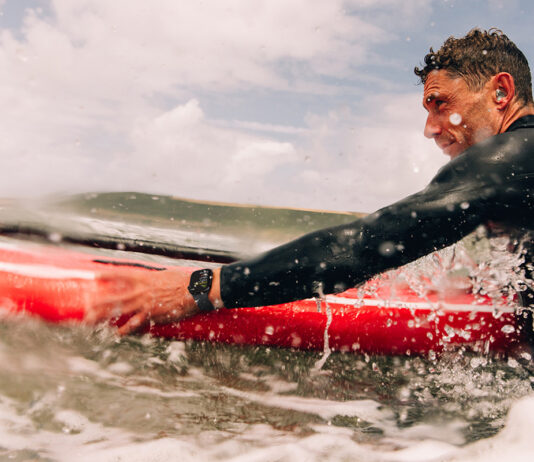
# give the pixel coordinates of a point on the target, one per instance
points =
(296, 103)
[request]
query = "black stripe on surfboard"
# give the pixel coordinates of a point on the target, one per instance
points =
(128, 263)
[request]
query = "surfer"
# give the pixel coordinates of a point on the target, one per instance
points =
(478, 94)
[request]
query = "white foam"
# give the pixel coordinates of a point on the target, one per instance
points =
(366, 409)
(515, 442)
(83, 440)
(91, 368)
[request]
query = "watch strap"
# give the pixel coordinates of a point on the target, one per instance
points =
(203, 302)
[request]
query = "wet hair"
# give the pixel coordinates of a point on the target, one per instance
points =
(479, 56)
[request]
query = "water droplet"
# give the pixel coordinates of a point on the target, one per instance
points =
(404, 393)
(476, 362)
(55, 237)
(508, 329)
(464, 205)
(455, 118)
(386, 249)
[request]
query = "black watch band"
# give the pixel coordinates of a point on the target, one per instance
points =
(200, 286)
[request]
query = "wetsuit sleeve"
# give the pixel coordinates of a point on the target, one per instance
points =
(481, 185)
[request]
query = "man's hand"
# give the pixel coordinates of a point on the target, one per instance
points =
(155, 296)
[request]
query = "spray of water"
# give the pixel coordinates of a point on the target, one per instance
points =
(321, 300)
(487, 264)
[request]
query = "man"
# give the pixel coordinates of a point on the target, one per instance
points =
(477, 91)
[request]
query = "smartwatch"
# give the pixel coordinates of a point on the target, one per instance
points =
(199, 287)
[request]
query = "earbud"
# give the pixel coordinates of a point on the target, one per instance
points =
(499, 94)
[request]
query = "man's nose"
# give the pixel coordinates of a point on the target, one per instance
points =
(432, 127)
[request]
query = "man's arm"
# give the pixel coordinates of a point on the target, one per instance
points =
(490, 181)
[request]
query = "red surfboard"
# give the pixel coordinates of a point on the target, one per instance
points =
(56, 284)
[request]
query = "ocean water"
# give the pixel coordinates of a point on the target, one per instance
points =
(75, 393)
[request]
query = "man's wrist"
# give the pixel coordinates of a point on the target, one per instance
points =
(215, 291)
(204, 290)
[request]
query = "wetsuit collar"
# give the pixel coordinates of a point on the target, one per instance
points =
(522, 122)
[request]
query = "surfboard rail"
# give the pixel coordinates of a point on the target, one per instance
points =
(56, 284)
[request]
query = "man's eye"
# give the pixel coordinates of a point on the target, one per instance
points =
(439, 102)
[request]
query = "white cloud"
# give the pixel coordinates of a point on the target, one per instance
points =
(103, 96)
(366, 162)
(342, 160)
(213, 44)
(258, 158)
(182, 152)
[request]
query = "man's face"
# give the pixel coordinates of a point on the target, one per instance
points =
(457, 116)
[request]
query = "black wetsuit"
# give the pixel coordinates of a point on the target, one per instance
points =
(492, 181)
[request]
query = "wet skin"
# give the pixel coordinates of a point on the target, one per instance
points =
(457, 116)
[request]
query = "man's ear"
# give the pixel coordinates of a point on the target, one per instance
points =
(502, 87)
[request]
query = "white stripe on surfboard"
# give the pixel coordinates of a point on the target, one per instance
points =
(358, 302)
(45, 271)
(9, 245)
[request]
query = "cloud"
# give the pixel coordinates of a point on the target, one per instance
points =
(184, 152)
(207, 44)
(363, 162)
(340, 160)
(104, 95)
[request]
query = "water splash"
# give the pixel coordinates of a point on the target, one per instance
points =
(321, 300)
(486, 263)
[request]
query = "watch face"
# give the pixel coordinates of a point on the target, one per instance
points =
(200, 282)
